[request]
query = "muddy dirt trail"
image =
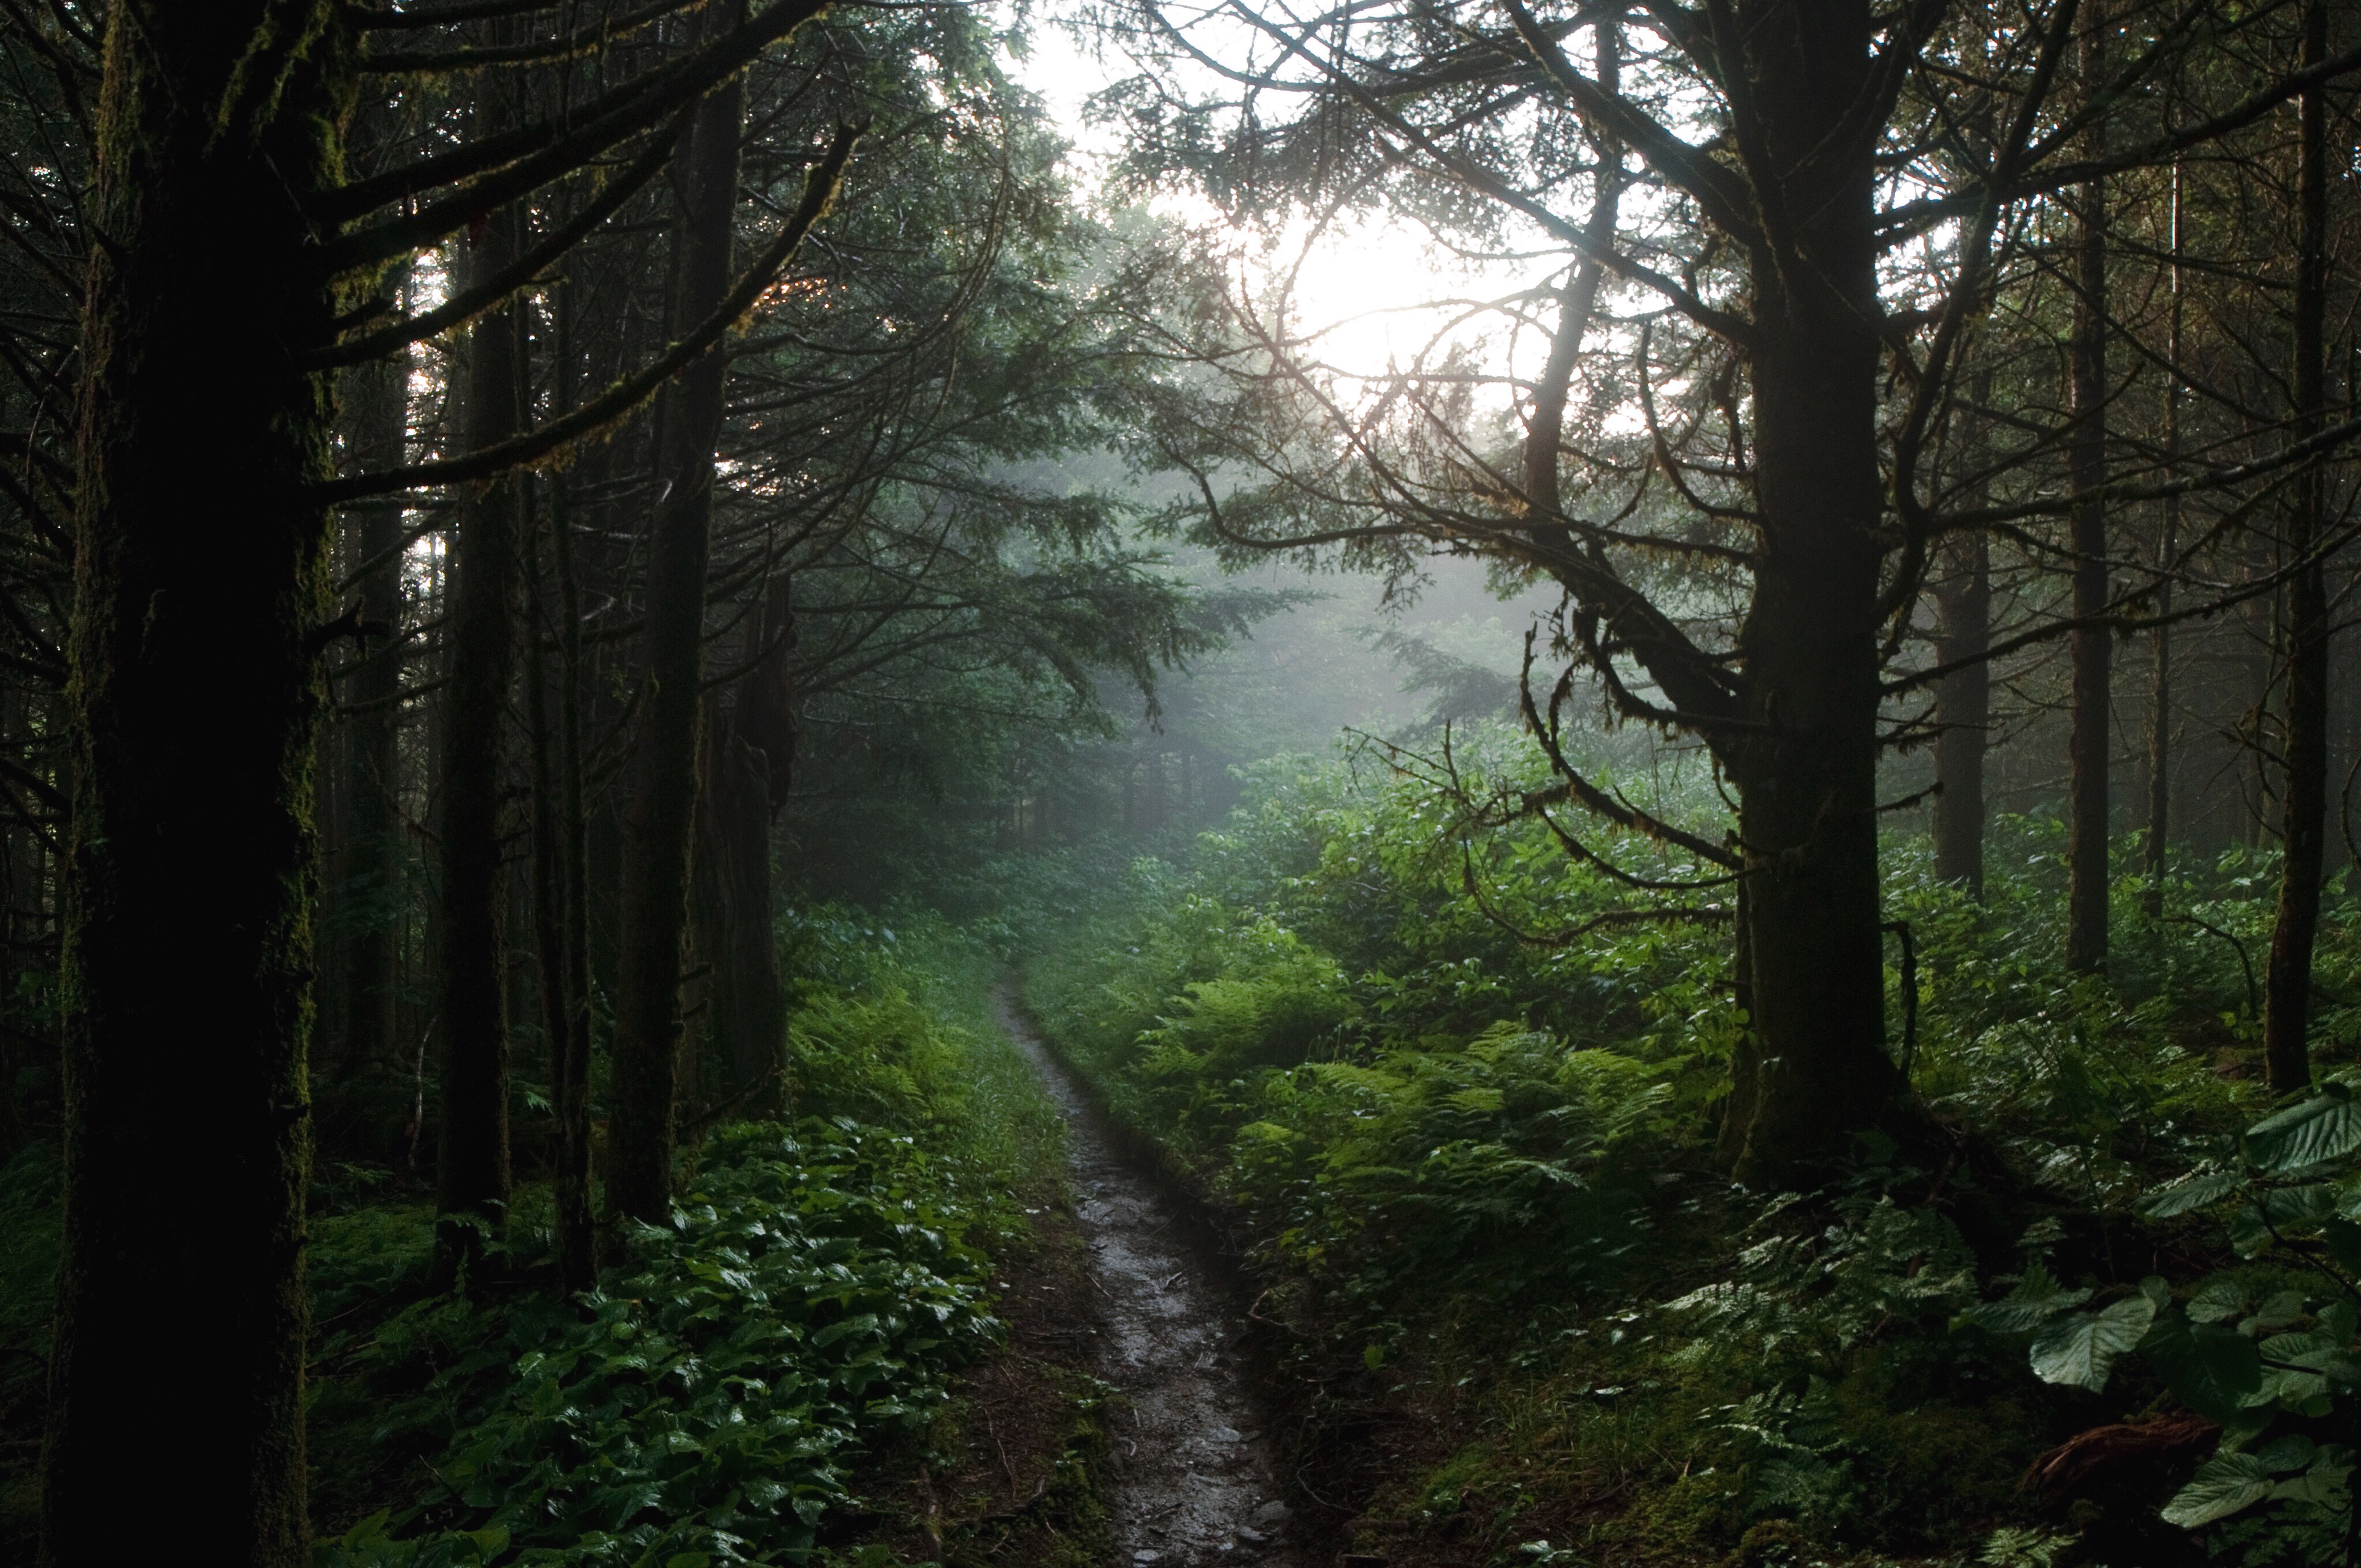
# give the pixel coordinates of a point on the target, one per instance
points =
(1194, 1479)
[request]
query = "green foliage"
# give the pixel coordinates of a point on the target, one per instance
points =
(802, 1314)
(808, 1302)
(2278, 1368)
(1469, 1152)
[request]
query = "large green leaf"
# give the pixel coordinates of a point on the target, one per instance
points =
(2190, 1192)
(2325, 1128)
(2036, 1300)
(2222, 1485)
(2277, 1215)
(2080, 1350)
(2219, 1298)
(2211, 1370)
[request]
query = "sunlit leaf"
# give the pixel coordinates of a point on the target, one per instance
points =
(2080, 1350)
(2325, 1128)
(2221, 1487)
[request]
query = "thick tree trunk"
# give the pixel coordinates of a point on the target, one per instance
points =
(2287, 1009)
(2091, 648)
(1807, 787)
(663, 795)
(472, 1173)
(1963, 699)
(188, 953)
(1807, 764)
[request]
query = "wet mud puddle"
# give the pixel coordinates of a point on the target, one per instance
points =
(1194, 1480)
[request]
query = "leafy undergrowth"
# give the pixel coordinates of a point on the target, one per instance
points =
(796, 1327)
(28, 1267)
(805, 1306)
(1532, 1322)
(762, 1378)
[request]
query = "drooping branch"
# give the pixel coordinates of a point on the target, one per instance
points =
(495, 292)
(536, 447)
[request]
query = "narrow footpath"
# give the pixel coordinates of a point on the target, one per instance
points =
(1194, 1481)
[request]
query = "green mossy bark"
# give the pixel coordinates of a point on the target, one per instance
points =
(201, 580)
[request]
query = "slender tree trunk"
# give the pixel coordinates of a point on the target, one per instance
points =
(2168, 554)
(371, 872)
(2091, 647)
(1806, 766)
(2287, 1007)
(578, 1256)
(472, 1173)
(746, 1011)
(556, 883)
(663, 795)
(749, 758)
(197, 692)
(1963, 699)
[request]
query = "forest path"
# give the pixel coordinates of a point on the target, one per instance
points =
(1195, 1478)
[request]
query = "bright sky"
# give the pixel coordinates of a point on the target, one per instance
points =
(1363, 288)
(1366, 289)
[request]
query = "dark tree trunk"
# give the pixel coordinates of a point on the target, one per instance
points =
(1963, 699)
(187, 955)
(749, 760)
(2091, 648)
(660, 817)
(1806, 767)
(568, 1016)
(1963, 709)
(2287, 1008)
(2168, 554)
(371, 872)
(746, 1012)
(472, 1173)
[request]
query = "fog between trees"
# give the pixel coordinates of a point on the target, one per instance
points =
(505, 509)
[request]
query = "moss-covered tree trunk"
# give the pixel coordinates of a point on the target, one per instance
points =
(659, 818)
(200, 584)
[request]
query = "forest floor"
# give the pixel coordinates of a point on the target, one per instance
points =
(1193, 1475)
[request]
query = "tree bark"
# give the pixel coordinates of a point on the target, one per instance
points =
(371, 872)
(472, 1173)
(663, 795)
(2091, 647)
(2159, 735)
(1805, 760)
(196, 693)
(746, 1012)
(2303, 823)
(1963, 699)
(567, 986)
(749, 761)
